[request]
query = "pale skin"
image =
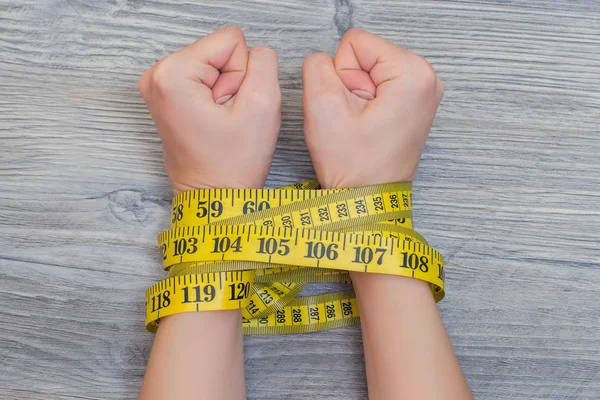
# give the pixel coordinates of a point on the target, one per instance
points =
(368, 112)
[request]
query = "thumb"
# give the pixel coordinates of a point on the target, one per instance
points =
(217, 61)
(322, 86)
(260, 88)
(369, 64)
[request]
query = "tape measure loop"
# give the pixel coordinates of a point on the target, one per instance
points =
(255, 250)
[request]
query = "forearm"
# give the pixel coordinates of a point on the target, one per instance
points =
(197, 356)
(408, 354)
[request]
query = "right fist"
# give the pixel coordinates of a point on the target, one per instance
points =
(368, 112)
(216, 106)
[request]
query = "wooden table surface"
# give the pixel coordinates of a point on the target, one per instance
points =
(508, 189)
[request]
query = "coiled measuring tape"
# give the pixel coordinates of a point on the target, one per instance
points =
(256, 249)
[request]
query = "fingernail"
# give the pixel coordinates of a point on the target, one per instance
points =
(363, 94)
(224, 99)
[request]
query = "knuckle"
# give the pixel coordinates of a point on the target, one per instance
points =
(261, 102)
(440, 89)
(264, 51)
(425, 78)
(234, 30)
(162, 77)
(264, 54)
(328, 101)
(315, 60)
(143, 84)
(354, 32)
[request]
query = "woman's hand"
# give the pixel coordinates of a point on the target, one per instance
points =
(367, 114)
(217, 108)
(368, 111)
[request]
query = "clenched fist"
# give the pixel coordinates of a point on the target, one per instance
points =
(368, 111)
(217, 109)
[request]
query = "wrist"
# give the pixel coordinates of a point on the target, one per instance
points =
(367, 284)
(178, 187)
(362, 181)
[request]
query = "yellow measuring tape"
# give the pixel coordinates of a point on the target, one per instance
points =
(256, 249)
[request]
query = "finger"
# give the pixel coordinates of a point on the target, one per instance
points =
(260, 88)
(365, 61)
(218, 61)
(320, 80)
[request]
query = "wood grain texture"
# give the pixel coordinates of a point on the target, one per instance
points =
(508, 190)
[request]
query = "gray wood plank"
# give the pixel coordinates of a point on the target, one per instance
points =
(508, 190)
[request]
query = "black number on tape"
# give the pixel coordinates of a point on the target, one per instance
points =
(224, 244)
(378, 203)
(364, 255)
(207, 294)
(161, 300)
(412, 261)
(318, 250)
(252, 308)
(347, 308)
(342, 210)
(216, 209)
(297, 315)
(394, 201)
(305, 218)
(163, 249)
(182, 245)
(279, 292)
(313, 312)
(266, 296)
(330, 311)
(323, 214)
(286, 220)
(249, 206)
(405, 200)
(177, 213)
(271, 245)
(242, 289)
(361, 208)
(280, 316)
